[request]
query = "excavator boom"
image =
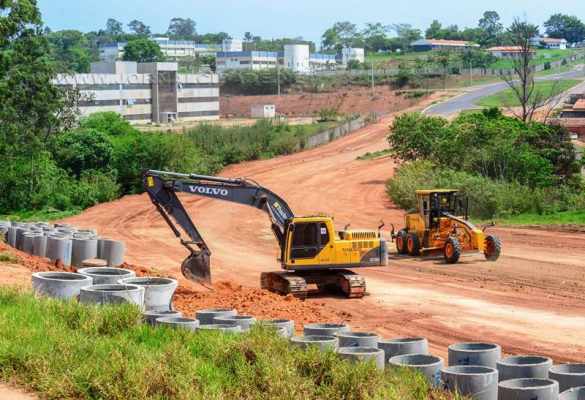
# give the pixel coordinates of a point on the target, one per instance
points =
(162, 188)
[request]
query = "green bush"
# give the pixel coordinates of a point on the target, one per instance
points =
(81, 150)
(110, 123)
(263, 81)
(491, 145)
(488, 198)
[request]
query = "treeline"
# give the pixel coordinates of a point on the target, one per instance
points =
(489, 32)
(506, 166)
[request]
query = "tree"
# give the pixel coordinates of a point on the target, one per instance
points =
(143, 50)
(562, 26)
(82, 150)
(340, 35)
(114, 28)
(71, 50)
(375, 37)
(522, 81)
(139, 28)
(182, 28)
(434, 31)
(214, 38)
(406, 34)
(490, 29)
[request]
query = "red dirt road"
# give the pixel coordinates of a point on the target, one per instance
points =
(530, 301)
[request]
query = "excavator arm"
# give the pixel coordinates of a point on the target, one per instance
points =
(162, 188)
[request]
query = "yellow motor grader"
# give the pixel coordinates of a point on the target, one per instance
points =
(441, 224)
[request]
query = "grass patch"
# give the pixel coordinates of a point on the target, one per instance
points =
(374, 155)
(40, 215)
(541, 57)
(68, 351)
(559, 218)
(507, 98)
(8, 258)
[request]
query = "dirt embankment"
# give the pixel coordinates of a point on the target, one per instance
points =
(352, 100)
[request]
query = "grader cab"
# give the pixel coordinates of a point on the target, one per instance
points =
(440, 224)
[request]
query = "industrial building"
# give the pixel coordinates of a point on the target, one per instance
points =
(549, 43)
(349, 54)
(146, 92)
(172, 49)
(508, 51)
(254, 60)
(440, 44)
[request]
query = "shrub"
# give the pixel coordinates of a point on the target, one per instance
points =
(81, 150)
(110, 123)
(488, 198)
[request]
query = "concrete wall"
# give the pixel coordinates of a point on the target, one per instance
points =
(334, 133)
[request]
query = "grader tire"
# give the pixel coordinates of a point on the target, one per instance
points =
(413, 244)
(452, 250)
(493, 248)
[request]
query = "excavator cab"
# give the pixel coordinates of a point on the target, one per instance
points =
(441, 224)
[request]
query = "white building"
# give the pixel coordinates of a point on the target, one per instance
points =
(549, 43)
(352, 54)
(254, 60)
(297, 58)
(172, 49)
(232, 45)
(144, 93)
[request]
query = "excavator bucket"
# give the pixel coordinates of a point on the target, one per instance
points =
(196, 267)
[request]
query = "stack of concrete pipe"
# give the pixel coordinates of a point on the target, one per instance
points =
(62, 243)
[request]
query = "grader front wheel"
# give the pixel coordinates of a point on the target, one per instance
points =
(452, 250)
(493, 248)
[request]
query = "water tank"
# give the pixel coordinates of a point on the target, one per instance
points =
(296, 58)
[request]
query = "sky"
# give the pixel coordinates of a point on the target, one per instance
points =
(293, 18)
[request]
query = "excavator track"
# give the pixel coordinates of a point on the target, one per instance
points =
(351, 284)
(284, 283)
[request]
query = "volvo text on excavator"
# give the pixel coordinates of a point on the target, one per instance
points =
(311, 251)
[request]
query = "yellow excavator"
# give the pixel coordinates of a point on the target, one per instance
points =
(441, 224)
(311, 251)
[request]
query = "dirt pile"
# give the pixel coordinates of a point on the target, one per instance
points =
(256, 302)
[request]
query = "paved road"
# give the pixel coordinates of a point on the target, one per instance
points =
(467, 101)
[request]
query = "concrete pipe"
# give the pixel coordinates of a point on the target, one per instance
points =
(178, 322)
(517, 367)
(222, 327)
(100, 250)
(286, 324)
(323, 343)
(243, 321)
(113, 251)
(484, 354)
(363, 354)
(83, 249)
(428, 365)
(577, 393)
(61, 285)
(150, 317)
(325, 329)
(568, 375)
(40, 246)
(11, 236)
(399, 346)
(106, 276)
(28, 241)
(20, 231)
(112, 294)
(206, 317)
(158, 293)
(528, 389)
(59, 249)
(4, 233)
(358, 339)
(475, 382)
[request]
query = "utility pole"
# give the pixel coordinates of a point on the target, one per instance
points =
(373, 91)
(277, 77)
